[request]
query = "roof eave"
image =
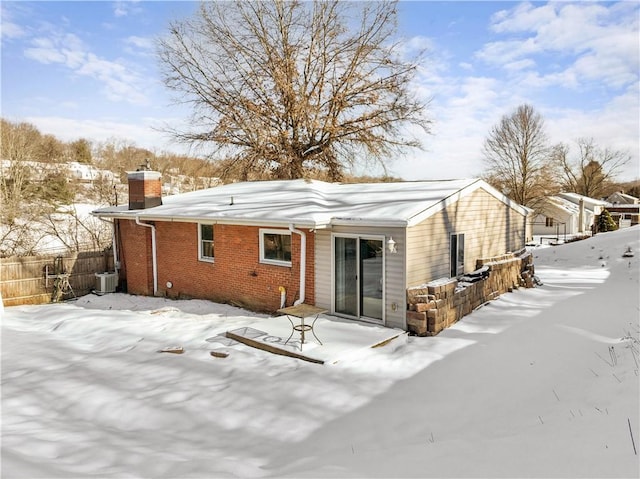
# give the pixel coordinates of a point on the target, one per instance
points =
(298, 222)
(141, 215)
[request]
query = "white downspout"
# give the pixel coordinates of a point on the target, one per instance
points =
(154, 259)
(116, 263)
(303, 263)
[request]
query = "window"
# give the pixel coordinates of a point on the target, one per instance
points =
(205, 239)
(457, 255)
(548, 222)
(275, 247)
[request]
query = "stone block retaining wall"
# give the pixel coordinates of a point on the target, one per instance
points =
(438, 304)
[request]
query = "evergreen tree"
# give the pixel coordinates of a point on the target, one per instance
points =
(606, 222)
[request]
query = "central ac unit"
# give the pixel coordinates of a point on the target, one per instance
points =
(106, 283)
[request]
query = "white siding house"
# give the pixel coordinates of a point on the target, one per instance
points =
(567, 214)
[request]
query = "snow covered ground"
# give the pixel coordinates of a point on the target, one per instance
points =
(539, 383)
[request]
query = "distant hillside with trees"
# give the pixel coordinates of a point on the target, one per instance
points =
(42, 180)
(48, 186)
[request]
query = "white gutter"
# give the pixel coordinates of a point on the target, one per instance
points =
(211, 220)
(154, 258)
(303, 263)
(114, 247)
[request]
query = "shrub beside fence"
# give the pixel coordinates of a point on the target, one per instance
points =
(30, 279)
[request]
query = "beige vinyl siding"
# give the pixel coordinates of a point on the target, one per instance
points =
(489, 226)
(395, 294)
(323, 268)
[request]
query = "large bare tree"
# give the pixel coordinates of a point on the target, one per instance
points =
(517, 157)
(592, 171)
(283, 88)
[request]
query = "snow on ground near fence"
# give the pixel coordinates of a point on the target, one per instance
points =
(539, 383)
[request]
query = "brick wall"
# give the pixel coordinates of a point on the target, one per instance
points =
(236, 276)
(135, 257)
(437, 305)
(145, 189)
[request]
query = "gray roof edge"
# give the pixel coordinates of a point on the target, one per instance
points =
(133, 214)
(299, 222)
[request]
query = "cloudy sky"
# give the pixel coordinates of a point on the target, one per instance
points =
(88, 69)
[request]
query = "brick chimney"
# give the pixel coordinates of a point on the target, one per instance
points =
(145, 189)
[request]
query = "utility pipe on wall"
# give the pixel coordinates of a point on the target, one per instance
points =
(116, 263)
(113, 240)
(303, 263)
(154, 260)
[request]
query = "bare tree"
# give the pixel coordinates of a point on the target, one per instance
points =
(592, 172)
(19, 140)
(80, 151)
(517, 157)
(73, 231)
(282, 88)
(17, 145)
(101, 190)
(20, 238)
(49, 150)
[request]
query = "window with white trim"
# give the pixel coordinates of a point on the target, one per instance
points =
(457, 255)
(548, 222)
(275, 247)
(205, 241)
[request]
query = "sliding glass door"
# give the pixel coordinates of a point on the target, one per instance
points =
(346, 275)
(371, 273)
(358, 277)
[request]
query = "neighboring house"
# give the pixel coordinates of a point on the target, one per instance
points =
(625, 215)
(39, 171)
(592, 205)
(353, 249)
(620, 198)
(557, 217)
(89, 173)
(567, 214)
(624, 209)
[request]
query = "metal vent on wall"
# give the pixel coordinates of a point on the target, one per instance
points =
(106, 282)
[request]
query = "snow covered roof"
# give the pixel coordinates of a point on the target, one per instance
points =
(622, 198)
(563, 204)
(311, 203)
(575, 198)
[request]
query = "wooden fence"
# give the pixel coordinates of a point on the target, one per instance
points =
(30, 279)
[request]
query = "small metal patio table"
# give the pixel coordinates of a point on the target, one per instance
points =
(302, 311)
